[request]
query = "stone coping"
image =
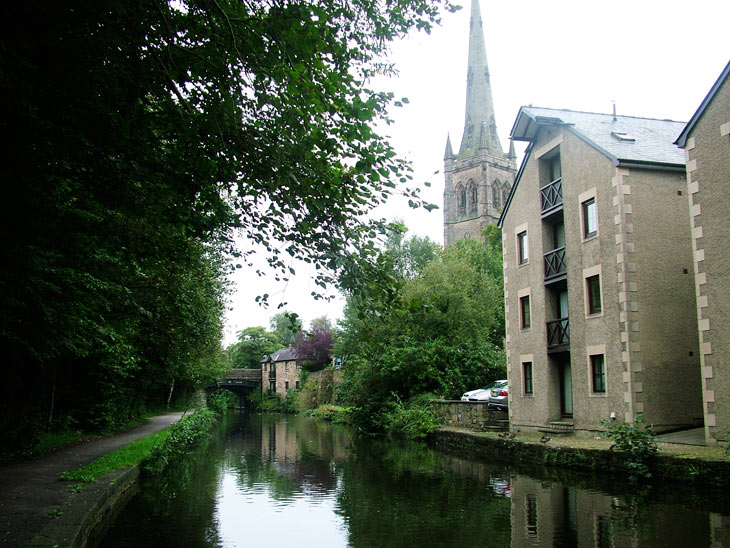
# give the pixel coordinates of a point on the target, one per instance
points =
(528, 450)
(84, 516)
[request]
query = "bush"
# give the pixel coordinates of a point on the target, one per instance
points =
(182, 436)
(222, 400)
(636, 440)
(413, 421)
(332, 413)
(274, 403)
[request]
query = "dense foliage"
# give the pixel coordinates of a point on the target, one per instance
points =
(286, 325)
(142, 135)
(442, 335)
(253, 343)
(181, 437)
(314, 348)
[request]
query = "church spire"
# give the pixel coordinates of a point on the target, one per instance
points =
(448, 153)
(479, 122)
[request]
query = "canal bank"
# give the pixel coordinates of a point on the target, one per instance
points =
(33, 499)
(87, 513)
(702, 465)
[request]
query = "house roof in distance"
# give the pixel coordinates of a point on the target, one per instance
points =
(682, 139)
(625, 139)
(283, 355)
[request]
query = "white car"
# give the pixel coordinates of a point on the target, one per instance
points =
(482, 394)
(473, 393)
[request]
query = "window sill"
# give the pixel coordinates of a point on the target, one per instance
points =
(594, 315)
(593, 236)
(598, 395)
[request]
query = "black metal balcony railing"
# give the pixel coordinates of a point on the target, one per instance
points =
(552, 195)
(555, 263)
(558, 332)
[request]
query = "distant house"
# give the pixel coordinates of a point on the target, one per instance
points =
(598, 274)
(706, 140)
(280, 372)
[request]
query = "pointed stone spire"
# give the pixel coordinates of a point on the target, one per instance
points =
(479, 104)
(449, 154)
(511, 155)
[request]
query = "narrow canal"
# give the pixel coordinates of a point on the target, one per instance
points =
(271, 480)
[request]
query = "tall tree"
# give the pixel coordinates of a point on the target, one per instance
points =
(286, 325)
(253, 343)
(144, 134)
(442, 335)
(314, 348)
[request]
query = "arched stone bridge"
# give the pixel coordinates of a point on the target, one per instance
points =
(239, 381)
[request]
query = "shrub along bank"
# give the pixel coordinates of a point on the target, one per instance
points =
(156, 452)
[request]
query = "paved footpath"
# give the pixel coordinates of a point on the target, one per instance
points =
(30, 491)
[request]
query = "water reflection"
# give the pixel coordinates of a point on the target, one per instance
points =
(276, 481)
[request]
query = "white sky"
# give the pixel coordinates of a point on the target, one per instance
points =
(654, 58)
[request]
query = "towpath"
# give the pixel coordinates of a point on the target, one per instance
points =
(30, 491)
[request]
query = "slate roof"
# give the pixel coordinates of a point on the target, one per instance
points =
(682, 139)
(645, 140)
(283, 355)
(626, 140)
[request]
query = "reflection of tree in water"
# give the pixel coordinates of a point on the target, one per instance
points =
(403, 495)
(186, 488)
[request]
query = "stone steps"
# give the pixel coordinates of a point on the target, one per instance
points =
(557, 427)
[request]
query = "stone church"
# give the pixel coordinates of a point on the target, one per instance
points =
(480, 176)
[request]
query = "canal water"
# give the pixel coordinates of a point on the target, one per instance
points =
(270, 480)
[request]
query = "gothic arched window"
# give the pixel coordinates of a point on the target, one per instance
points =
(505, 193)
(496, 194)
(473, 197)
(461, 199)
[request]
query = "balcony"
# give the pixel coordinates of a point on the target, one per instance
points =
(555, 267)
(558, 334)
(552, 197)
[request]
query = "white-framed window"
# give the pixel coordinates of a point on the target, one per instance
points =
(523, 254)
(588, 214)
(522, 245)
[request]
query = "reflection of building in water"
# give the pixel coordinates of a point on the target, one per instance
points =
(551, 514)
(279, 442)
(303, 450)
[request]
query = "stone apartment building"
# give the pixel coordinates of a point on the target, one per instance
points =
(478, 179)
(598, 262)
(280, 372)
(706, 141)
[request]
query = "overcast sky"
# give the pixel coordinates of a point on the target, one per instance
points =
(655, 59)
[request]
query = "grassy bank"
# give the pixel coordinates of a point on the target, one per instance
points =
(129, 455)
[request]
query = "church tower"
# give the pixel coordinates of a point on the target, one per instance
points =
(480, 176)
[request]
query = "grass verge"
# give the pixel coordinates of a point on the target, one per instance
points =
(129, 455)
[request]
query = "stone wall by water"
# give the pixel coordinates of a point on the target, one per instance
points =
(468, 414)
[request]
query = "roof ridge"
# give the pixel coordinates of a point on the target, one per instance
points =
(606, 114)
